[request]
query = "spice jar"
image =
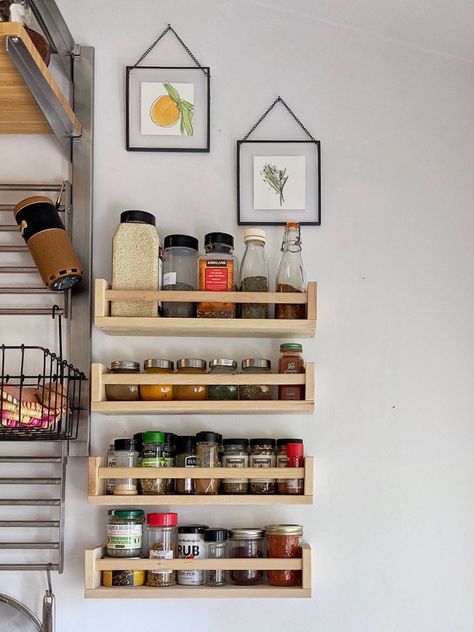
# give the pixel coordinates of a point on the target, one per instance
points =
(295, 459)
(207, 452)
(125, 533)
(110, 462)
(284, 541)
(236, 454)
(185, 392)
(291, 362)
(186, 457)
(255, 366)
(217, 273)
(222, 391)
(162, 545)
(157, 392)
(215, 540)
(124, 578)
(123, 392)
(125, 456)
(191, 546)
(262, 455)
(169, 454)
(282, 461)
(180, 257)
(290, 275)
(152, 456)
(246, 543)
(138, 438)
(254, 272)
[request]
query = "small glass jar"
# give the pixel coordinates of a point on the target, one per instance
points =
(222, 391)
(291, 362)
(236, 454)
(180, 268)
(217, 273)
(254, 366)
(191, 546)
(215, 540)
(262, 455)
(282, 461)
(152, 456)
(186, 457)
(123, 392)
(110, 462)
(138, 438)
(125, 532)
(295, 459)
(284, 541)
(169, 454)
(187, 392)
(246, 543)
(157, 392)
(126, 455)
(207, 452)
(162, 545)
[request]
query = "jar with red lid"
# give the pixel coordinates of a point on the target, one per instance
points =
(295, 453)
(284, 541)
(282, 461)
(162, 545)
(291, 361)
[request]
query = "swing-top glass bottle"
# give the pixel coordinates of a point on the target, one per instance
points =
(290, 275)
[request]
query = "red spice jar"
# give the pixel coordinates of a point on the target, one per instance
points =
(295, 453)
(291, 361)
(284, 541)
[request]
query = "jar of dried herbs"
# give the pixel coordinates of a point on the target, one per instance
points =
(152, 456)
(254, 272)
(186, 392)
(282, 461)
(262, 455)
(222, 366)
(246, 543)
(162, 545)
(255, 366)
(208, 453)
(125, 532)
(236, 454)
(123, 392)
(157, 392)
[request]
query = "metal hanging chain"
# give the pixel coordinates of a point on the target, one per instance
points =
(167, 29)
(267, 112)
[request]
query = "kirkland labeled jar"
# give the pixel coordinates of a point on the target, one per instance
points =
(217, 273)
(284, 541)
(157, 392)
(125, 533)
(123, 392)
(222, 366)
(246, 543)
(191, 392)
(162, 545)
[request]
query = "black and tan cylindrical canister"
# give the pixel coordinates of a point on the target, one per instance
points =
(48, 242)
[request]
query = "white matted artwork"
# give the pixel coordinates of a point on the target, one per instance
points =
(166, 109)
(279, 182)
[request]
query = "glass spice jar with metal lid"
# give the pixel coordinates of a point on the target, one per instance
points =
(217, 273)
(187, 392)
(255, 366)
(236, 454)
(157, 392)
(262, 455)
(125, 532)
(208, 455)
(222, 366)
(126, 455)
(246, 543)
(152, 456)
(282, 461)
(162, 545)
(291, 362)
(180, 256)
(123, 392)
(186, 457)
(284, 541)
(215, 540)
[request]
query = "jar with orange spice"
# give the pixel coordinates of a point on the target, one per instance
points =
(157, 392)
(284, 541)
(217, 273)
(189, 366)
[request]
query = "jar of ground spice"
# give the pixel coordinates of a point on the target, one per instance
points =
(246, 543)
(236, 454)
(157, 392)
(282, 461)
(207, 452)
(222, 366)
(123, 392)
(186, 457)
(255, 366)
(162, 545)
(191, 366)
(126, 455)
(262, 455)
(217, 273)
(291, 361)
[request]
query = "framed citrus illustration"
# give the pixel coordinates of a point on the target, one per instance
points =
(168, 108)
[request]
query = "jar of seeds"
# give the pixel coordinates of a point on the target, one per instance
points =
(236, 454)
(222, 391)
(262, 455)
(162, 545)
(255, 366)
(125, 533)
(153, 457)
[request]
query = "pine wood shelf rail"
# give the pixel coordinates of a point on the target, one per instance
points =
(100, 377)
(98, 474)
(95, 564)
(229, 327)
(19, 110)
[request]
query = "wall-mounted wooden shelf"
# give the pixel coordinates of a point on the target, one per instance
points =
(95, 564)
(225, 327)
(98, 474)
(100, 377)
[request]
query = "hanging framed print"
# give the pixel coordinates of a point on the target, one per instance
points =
(278, 180)
(167, 107)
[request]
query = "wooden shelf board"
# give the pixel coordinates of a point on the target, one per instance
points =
(273, 407)
(227, 591)
(219, 499)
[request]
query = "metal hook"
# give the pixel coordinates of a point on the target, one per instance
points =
(56, 311)
(60, 196)
(48, 574)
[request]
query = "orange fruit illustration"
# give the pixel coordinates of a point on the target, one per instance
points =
(164, 112)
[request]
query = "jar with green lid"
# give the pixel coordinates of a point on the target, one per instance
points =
(262, 455)
(291, 361)
(123, 392)
(125, 532)
(152, 456)
(157, 392)
(222, 391)
(255, 366)
(187, 392)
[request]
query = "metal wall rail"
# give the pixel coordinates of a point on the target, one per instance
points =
(29, 567)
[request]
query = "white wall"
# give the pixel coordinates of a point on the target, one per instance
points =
(391, 528)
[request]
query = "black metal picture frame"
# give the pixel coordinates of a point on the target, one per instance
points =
(199, 120)
(247, 151)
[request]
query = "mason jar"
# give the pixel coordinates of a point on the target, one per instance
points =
(246, 543)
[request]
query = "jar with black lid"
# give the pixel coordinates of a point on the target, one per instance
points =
(125, 532)
(217, 273)
(262, 455)
(222, 391)
(123, 392)
(255, 366)
(236, 454)
(208, 455)
(186, 457)
(215, 540)
(180, 272)
(191, 546)
(169, 455)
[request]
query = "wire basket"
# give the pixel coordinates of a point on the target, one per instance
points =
(40, 395)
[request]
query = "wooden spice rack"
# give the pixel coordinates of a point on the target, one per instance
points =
(100, 377)
(95, 563)
(228, 327)
(98, 474)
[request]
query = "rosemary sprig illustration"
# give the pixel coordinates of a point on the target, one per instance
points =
(185, 108)
(275, 178)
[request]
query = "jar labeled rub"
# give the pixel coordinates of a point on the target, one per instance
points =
(284, 541)
(207, 452)
(123, 392)
(152, 456)
(262, 455)
(222, 366)
(191, 546)
(255, 366)
(162, 545)
(246, 543)
(217, 273)
(157, 392)
(236, 454)
(186, 392)
(282, 461)
(125, 533)
(291, 362)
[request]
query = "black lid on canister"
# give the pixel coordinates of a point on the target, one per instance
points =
(186, 443)
(209, 437)
(124, 444)
(170, 438)
(242, 442)
(140, 217)
(219, 238)
(215, 535)
(263, 442)
(181, 241)
(193, 528)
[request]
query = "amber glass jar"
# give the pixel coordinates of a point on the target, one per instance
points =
(190, 366)
(291, 361)
(157, 392)
(123, 392)
(284, 541)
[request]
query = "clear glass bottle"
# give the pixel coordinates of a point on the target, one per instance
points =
(246, 543)
(162, 545)
(126, 455)
(187, 392)
(152, 456)
(217, 273)
(180, 266)
(216, 541)
(236, 454)
(255, 391)
(254, 273)
(157, 392)
(123, 392)
(262, 455)
(186, 457)
(290, 275)
(291, 361)
(207, 452)
(222, 366)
